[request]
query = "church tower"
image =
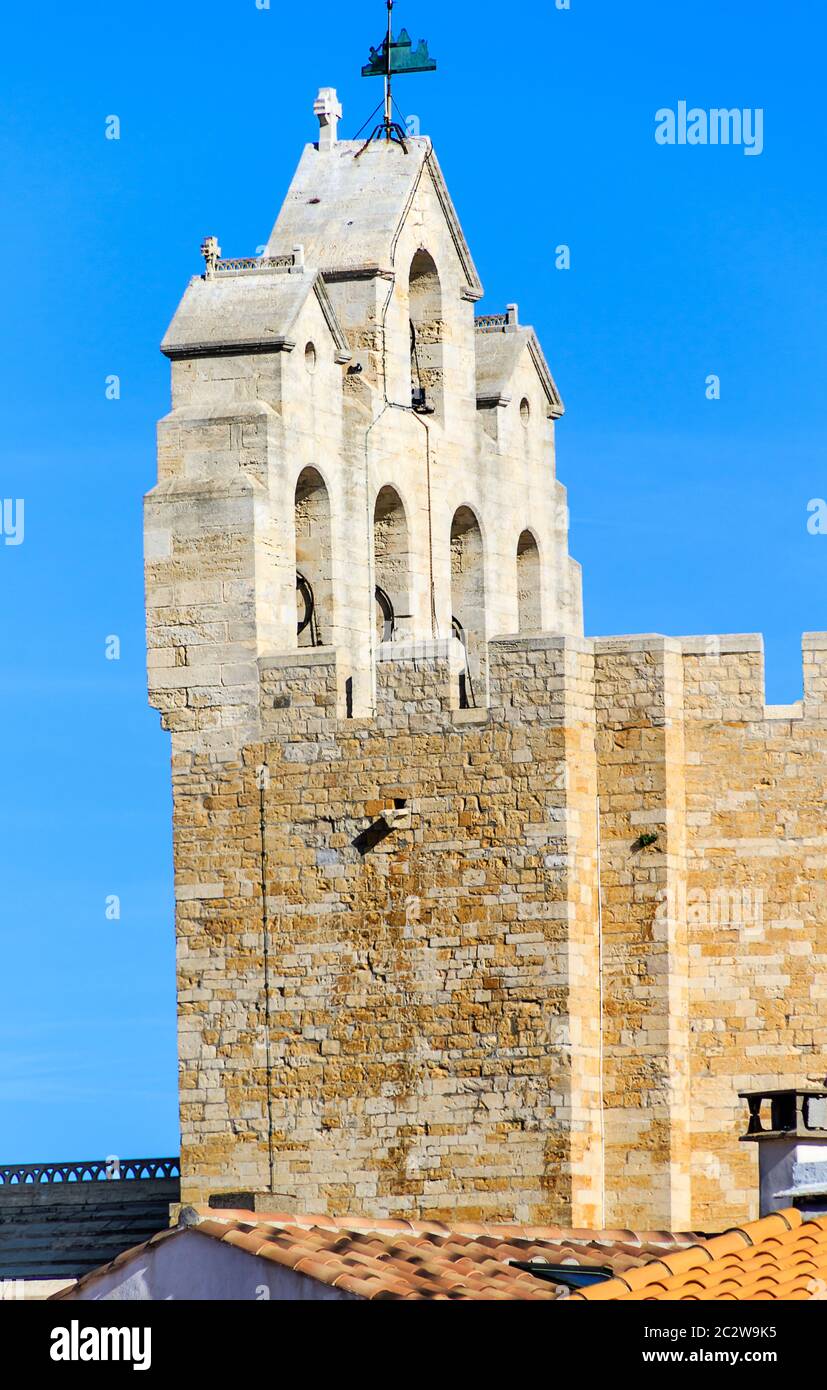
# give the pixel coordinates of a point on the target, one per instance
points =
(476, 917)
(365, 637)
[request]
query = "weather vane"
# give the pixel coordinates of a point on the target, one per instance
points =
(395, 56)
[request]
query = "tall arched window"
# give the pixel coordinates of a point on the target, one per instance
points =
(391, 551)
(468, 602)
(314, 561)
(529, 594)
(425, 297)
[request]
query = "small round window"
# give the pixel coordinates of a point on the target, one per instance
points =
(310, 357)
(525, 410)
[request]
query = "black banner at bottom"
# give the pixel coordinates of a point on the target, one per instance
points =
(69, 1339)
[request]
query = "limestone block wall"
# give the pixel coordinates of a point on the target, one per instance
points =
(399, 987)
(431, 989)
(714, 937)
(204, 607)
(756, 905)
(638, 697)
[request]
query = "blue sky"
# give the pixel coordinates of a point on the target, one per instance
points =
(688, 515)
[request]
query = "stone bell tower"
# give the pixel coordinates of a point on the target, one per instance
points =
(365, 638)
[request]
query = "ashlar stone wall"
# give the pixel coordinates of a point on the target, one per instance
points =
(430, 984)
(714, 934)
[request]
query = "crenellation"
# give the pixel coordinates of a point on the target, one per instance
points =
(302, 692)
(724, 677)
(814, 646)
(415, 681)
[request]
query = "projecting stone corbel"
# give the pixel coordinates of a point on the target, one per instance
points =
(396, 818)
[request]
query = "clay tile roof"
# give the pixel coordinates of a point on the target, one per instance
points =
(431, 1260)
(400, 1259)
(780, 1257)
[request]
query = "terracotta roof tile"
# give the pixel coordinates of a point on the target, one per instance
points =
(781, 1256)
(685, 1260)
(400, 1259)
(776, 1258)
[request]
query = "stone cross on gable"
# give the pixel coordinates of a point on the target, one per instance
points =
(211, 251)
(328, 108)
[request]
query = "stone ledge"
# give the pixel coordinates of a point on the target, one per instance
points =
(726, 644)
(240, 487)
(431, 649)
(301, 656)
(471, 716)
(542, 641)
(636, 642)
(226, 413)
(794, 711)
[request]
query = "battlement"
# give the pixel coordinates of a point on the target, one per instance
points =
(722, 676)
(815, 675)
(420, 687)
(527, 678)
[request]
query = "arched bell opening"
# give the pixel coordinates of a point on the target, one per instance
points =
(468, 603)
(392, 566)
(529, 584)
(314, 561)
(426, 333)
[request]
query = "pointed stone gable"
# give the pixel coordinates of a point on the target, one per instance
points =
(347, 208)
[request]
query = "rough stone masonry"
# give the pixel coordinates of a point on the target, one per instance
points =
(475, 917)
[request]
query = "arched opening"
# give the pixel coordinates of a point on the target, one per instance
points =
(529, 592)
(314, 561)
(425, 299)
(468, 603)
(392, 564)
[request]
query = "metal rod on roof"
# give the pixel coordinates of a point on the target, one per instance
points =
(388, 97)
